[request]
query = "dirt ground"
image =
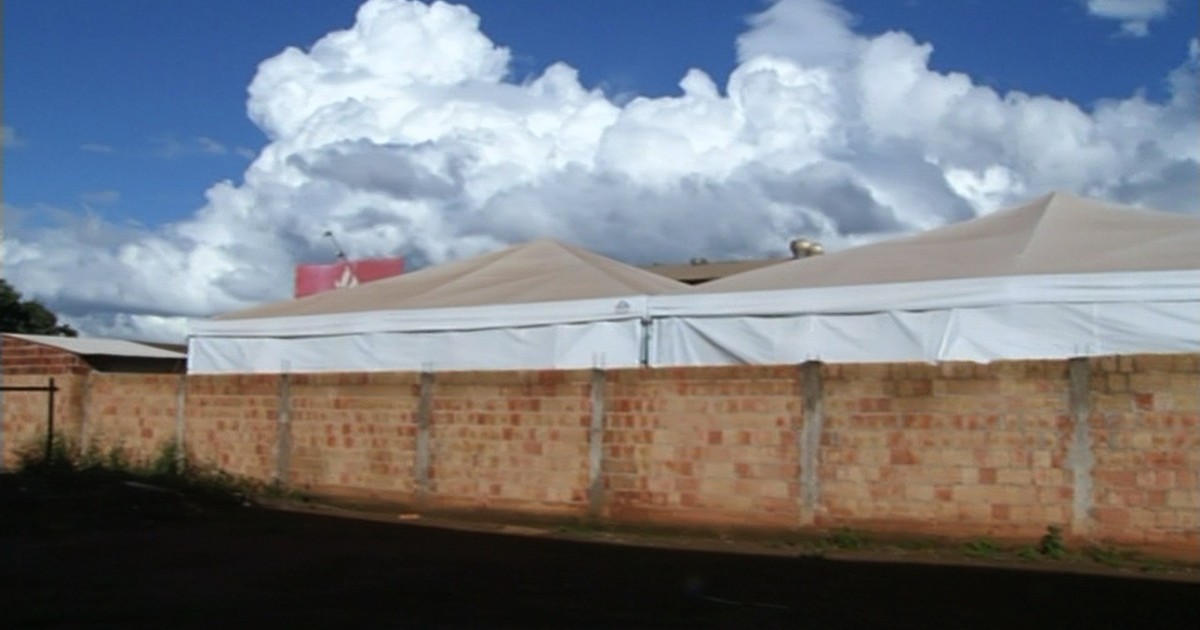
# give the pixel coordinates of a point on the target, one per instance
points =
(108, 554)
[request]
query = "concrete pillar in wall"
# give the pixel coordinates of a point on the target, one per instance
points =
(283, 431)
(808, 438)
(85, 412)
(596, 446)
(1080, 456)
(424, 420)
(180, 420)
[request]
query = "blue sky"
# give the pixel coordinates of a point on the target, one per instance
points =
(127, 113)
(116, 96)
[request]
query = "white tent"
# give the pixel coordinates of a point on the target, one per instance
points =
(533, 306)
(1058, 277)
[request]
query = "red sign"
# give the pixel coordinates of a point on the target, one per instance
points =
(311, 279)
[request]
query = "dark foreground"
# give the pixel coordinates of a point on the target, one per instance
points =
(116, 556)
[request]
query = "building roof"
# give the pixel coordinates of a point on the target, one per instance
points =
(539, 271)
(1054, 234)
(94, 346)
(701, 271)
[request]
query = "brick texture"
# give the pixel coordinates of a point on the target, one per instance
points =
(703, 445)
(27, 358)
(352, 433)
(1145, 423)
(956, 448)
(231, 423)
(511, 440)
(139, 426)
(24, 415)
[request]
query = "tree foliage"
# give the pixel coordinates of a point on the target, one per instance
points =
(28, 316)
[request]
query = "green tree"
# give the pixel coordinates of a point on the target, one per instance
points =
(28, 316)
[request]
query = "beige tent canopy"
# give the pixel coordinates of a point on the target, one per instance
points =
(1060, 276)
(541, 304)
(1055, 234)
(544, 270)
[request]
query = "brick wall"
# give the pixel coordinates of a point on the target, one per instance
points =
(27, 358)
(703, 445)
(24, 414)
(231, 423)
(510, 440)
(1109, 448)
(353, 433)
(1145, 431)
(27, 364)
(958, 447)
(134, 414)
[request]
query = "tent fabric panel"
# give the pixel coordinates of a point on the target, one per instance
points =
(866, 338)
(981, 335)
(1177, 285)
(567, 346)
(428, 320)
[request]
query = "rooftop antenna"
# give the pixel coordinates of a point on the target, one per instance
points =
(336, 247)
(348, 278)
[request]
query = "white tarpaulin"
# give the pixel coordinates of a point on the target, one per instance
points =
(557, 346)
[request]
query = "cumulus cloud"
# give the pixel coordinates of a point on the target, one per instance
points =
(404, 134)
(1134, 15)
(9, 139)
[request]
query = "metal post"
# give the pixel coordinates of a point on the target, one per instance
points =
(50, 420)
(644, 351)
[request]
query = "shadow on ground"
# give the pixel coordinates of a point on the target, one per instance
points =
(116, 555)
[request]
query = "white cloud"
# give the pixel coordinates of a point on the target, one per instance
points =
(1134, 15)
(93, 147)
(168, 146)
(100, 197)
(402, 135)
(210, 146)
(9, 138)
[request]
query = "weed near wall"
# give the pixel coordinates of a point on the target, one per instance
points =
(167, 467)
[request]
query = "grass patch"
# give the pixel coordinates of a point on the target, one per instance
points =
(166, 469)
(1110, 556)
(845, 538)
(982, 548)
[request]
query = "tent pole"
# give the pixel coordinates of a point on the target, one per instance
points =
(644, 352)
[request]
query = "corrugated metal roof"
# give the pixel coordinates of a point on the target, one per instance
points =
(94, 346)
